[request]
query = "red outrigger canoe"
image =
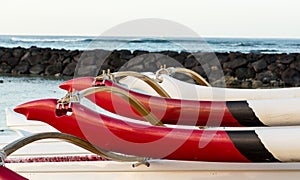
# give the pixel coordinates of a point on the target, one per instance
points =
(192, 112)
(141, 139)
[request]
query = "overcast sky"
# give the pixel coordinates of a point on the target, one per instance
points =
(208, 18)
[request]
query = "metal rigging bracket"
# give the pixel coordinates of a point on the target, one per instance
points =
(19, 143)
(100, 80)
(162, 70)
(64, 104)
(143, 162)
(172, 70)
(2, 158)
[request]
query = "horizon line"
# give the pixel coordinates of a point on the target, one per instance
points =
(127, 36)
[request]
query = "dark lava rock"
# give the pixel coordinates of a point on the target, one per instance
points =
(272, 67)
(35, 50)
(4, 68)
(5, 57)
(1, 53)
(53, 69)
(13, 61)
(232, 82)
(281, 67)
(251, 57)
(296, 64)
(87, 71)
(259, 65)
(266, 76)
(228, 72)
(269, 58)
(190, 62)
(125, 54)
(21, 69)
(173, 54)
(291, 77)
(66, 61)
(206, 58)
(95, 57)
(73, 53)
(244, 73)
(153, 58)
(201, 71)
(257, 84)
(102, 56)
(180, 58)
(36, 59)
(222, 57)
(87, 61)
(246, 84)
(76, 58)
(215, 75)
(139, 52)
(137, 68)
(151, 67)
(117, 63)
(286, 59)
(46, 57)
(235, 63)
(25, 56)
(37, 69)
(54, 58)
(138, 60)
(161, 60)
(183, 54)
(234, 55)
(18, 52)
(277, 68)
(70, 69)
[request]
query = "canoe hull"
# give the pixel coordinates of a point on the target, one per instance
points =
(138, 138)
(250, 113)
(182, 90)
(159, 169)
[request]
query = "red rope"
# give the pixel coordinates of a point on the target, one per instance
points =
(56, 159)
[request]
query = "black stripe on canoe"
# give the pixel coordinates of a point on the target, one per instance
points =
(241, 111)
(250, 146)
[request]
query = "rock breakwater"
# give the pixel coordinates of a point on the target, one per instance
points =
(237, 69)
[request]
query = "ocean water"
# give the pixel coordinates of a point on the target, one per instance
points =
(18, 90)
(155, 44)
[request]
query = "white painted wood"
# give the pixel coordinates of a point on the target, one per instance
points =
(283, 143)
(182, 90)
(159, 169)
(277, 112)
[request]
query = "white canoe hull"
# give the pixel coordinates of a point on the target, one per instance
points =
(181, 90)
(159, 169)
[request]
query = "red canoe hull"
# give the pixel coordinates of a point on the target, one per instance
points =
(7, 174)
(138, 139)
(169, 111)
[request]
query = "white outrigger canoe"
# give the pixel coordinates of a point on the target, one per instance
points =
(158, 169)
(182, 90)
